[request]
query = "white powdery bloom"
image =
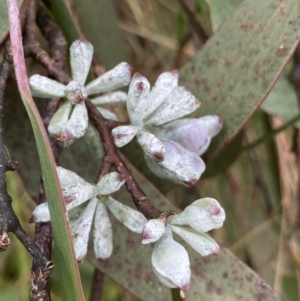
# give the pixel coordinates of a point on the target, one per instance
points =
(179, 165)
(169, 259)
(170, 262)
(71, 119)
(153, 230)
(202, 215)
(86, 204)
(193, 134)
(151, 108)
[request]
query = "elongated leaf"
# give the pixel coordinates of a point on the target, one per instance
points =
(219, 10)
(70, 279)
(238, 66)
(214, 278)
(99, 24)
(282, 101)
(63, 17)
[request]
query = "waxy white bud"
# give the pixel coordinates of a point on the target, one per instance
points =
(132, 219)
(123, 134)
(170, 263)
(81, 53)
(194, 134)
(200, 242)
(179, 165)
(103, 243)
(110, 183)
(151, 145)
(42, 86)
(178, 104)
(113, 79)
(202, 215)
(153, 230)
(81, 229)
(75, 92)
(162, 88)
(138, 98)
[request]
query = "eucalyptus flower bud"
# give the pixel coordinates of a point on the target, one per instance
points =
(194, 134)
(153, 230)
(200, 242)
(179, 164)
(132, 219)
(202, 215)
(170, 262)
(103, 243)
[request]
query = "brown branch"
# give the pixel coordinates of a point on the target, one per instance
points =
(140, 199)
(8, 219)
(97, 285)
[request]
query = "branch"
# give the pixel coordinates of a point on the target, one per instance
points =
(8, 219)
(140, 199)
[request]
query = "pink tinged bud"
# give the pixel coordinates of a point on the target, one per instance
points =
(76, 125)
(170, 263)
(109, 183)
(75, 92)
(178, 104)
(123, 134)
(107, 114)
(81, 53)
(76, 194)
(151, 145)
(60, 119)
(153, 230)
(200, 242)
(103, 243)
(41, 214)
(68, 177)
(193, 134)
(111, 80)
(45, 87)
(138, 99)
(132, 219)
(164, 85)
(202, 215)
(94, 142)
(81, 229)
(113, 99)
(180, 165)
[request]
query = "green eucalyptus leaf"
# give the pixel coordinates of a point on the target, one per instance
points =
(220, 10)
(99, 25)
(237, 67)
(215, 278)
(282, 101)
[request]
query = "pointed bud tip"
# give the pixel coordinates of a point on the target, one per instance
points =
(215, 209)
(185, 286)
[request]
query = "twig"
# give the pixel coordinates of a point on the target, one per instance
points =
(97, 285)
(8, 219)
(140, 199)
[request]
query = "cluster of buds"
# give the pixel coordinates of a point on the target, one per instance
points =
(86, 203)
(171, 147)
(191, 225)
